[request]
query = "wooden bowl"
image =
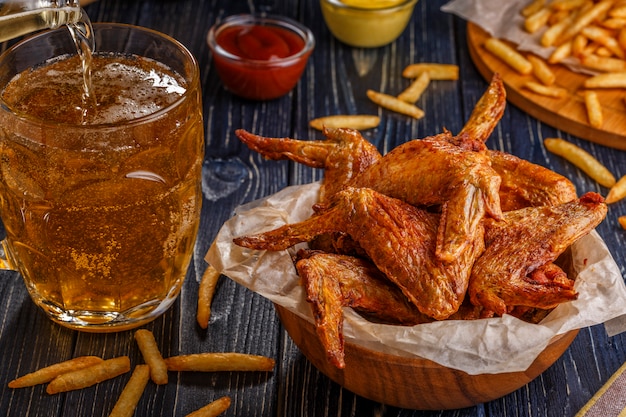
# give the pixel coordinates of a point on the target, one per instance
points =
(414, 383)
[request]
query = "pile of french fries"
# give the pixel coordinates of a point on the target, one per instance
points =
(421, 75)
(591, 31)
(85, 371)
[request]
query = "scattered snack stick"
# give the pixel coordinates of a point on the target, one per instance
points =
(594, 109)
(394, 104)
(132, 392)
(509, 55)
(608, 80)
(546, 90)
(622, 221)
(560, 53)
(47, 374)
(414, 91)
(206, 291)
(617, 192)
(582, 159)
(152, 356)
(353, 121)
(435, 71)
(541, 70)
(212, 409)
(89, 376)
(603, 63)
(214, 362)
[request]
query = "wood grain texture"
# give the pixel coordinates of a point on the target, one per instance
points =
(334, 82)
(567, 113)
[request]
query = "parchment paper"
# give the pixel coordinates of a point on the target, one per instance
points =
(503, 20)
(479, 346)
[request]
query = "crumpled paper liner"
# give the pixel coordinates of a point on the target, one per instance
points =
(503, 20)
(492, 345)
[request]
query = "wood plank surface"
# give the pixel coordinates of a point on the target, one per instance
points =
(567, 113)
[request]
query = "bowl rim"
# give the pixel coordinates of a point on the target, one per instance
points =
(343, 6)
(262, 19)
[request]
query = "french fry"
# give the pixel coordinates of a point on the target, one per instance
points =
(617, 192)
(584, 19)
(395, 104)
(608, 80)
(212, 409)
(414, 91)
(509, 55)
(560, 53)
(605, 38)
(533, 7)
(603, 64)
(47, 374)
(579, 43)
(622, 221)
(541, 70)
(89, 376)
(566, 4)
(354, 121)
(546, 90)
(435, 71)
(206, 290)
(549, 37)
(151, 354)
(214, 362)
(582, 159)
(594, 109)
(537, 20)
(132, 392)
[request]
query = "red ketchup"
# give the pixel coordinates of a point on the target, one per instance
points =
(259, 62)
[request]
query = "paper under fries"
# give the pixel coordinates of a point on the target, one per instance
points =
(353, 121)
(89, 376)
(206, 290)
(130, 396)
(214, 362)
(47, 374)
(152, 356)
(582, 159)
(213, 409)
(394, 104)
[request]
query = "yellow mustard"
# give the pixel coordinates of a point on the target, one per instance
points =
(367, 23)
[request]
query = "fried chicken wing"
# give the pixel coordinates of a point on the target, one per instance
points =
(435, 171)
(333, 282)
(525, 184)
(487, 112)
(343, 155)
(516, 267)
(399, 238)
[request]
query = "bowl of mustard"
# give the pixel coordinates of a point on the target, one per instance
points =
(367, 23)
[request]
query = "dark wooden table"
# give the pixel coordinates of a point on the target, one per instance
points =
(334, 82)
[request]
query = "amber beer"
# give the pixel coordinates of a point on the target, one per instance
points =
(101, 194)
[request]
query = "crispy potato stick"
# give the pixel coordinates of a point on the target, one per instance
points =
(89, 376)
(546, 90)
(537, 20)
(541, 70)
(566, 4)
(584, 19)
(47, 374)
(414, 91)
(131, 394)
(603, 37)
(582, 159)
(354, 121)
(435, 71)
(617, 192)
(152, 355)
(594, 109)
(608, 80)
(395, 104)
(603, 63)
(213, 409)
(206, 290)
(579, 43)
(509, 55)
(622, 221)
(213, 362)
(560, 53)
(533, 7)
(621, 37)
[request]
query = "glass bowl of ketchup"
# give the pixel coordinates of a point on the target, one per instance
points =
(260, 57)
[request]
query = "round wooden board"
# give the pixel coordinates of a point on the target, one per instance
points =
(568, 113)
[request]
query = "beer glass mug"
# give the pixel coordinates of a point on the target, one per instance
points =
(101, 202)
